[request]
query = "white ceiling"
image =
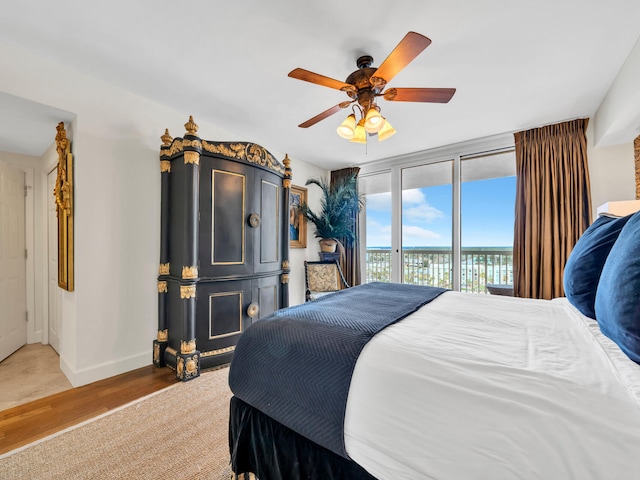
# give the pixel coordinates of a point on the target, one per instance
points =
(515, 64)
(28, 127)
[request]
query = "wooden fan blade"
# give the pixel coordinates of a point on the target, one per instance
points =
(434, 95)
(409, 48)
(322, 116)
(307, 76)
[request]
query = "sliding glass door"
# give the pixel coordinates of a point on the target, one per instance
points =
(444, 222)
(487, 210)
(427, 222)
(377, 229)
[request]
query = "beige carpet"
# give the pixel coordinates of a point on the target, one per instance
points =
(179, 432)
(30, 373)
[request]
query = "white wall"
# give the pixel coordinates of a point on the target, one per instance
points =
(302, 172)
(611, 133)
(611, 170)
(110, 321)
(617, 120)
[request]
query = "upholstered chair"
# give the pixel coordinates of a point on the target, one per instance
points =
(322, 278)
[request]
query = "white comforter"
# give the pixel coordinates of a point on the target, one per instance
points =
(489, 387)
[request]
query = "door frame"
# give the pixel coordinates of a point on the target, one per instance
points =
(48, 168)
(29, 237)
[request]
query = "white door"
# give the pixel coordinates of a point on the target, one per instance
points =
(13, 265)
(54, 291)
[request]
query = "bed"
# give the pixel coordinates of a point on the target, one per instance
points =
(458, 386)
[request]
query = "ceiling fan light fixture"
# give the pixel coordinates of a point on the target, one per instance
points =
(347, 129)
(386, 131)
(361, 134)
(368, 83)
(373, 121)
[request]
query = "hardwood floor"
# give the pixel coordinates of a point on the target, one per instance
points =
(37, 419)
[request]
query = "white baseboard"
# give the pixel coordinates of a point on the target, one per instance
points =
(105, 370)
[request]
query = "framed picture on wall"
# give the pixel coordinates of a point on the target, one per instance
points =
(297, 223)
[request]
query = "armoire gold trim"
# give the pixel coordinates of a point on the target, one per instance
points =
(188, 347)
(171, 351)
(249, 152)
(156, 353)
(166, 138)
(286, 182)
(163, 335)
(187, 291)
(190, 272)
(192, 158)
(220, 351)
(191, 127)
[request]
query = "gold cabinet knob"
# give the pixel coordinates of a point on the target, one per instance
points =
(254, 220)
(253, 309)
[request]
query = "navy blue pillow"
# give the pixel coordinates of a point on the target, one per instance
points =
(618, 295)
(585, 263)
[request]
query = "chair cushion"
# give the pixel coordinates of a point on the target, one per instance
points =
(585, 263)
(617, 302)
(323, 277)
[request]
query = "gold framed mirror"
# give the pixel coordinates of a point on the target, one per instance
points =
(63, 193)
(636, 153)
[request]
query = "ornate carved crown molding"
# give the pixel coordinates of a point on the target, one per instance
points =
(248, 152)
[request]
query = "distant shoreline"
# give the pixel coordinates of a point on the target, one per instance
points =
(443, 248)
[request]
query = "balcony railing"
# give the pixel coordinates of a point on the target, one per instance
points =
(434, 267)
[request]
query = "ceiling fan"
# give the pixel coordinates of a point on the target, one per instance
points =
(368, 83)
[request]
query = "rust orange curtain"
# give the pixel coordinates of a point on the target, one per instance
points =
(553, 205)
(350, 264)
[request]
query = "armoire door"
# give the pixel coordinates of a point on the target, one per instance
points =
(222, 315)
(267, 195)
(266, 294)
(225, 235)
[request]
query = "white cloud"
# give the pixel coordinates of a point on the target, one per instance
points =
(379, 201)
(413, 196)
(422, 213)
(414, 236)
(417, 213)
(416, 209)
(373, 225)
(378, 235)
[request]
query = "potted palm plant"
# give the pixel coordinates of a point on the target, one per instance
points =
(334, 218)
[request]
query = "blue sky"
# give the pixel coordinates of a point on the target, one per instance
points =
(487, 215)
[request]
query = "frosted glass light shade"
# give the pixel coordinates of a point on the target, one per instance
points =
(347, 129)
(373, 121)
(361, 134)
(386, 131)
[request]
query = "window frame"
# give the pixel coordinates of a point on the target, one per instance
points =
(394, 165)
